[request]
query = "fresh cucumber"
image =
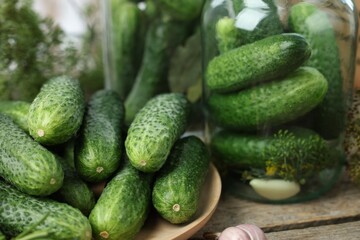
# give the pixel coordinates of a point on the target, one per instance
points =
(98, 148)
(125, 29)
(163, 36)
(269, 58)
(2, 236)
(17, 111)
(74, 190)
(184, 10)
(178, 183)
(123, 206)
(232, 32)
(312, 22)
(271, 103)
(18, 211)
(56, 113)
(155, 129)
(25, 163)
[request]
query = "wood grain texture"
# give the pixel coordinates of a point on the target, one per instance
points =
(340, 205)
(344, 231)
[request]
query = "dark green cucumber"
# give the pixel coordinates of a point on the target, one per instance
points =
(269, 58)
(25, 163)
(74, 190)
(98, 147)
(271, 103)
(17, 111)
(56, 113)
(155, 129)
(125, 29)
(178, 183)
(184, 10)
(163, 36)
(123, 206)
(2, 236)
(315, 25)
(234, 32)
(18, 211)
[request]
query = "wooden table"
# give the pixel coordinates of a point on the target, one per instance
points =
(336, 215)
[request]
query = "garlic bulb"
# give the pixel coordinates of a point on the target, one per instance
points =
(242, 232)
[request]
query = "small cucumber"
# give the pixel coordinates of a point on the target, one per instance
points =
(178, 183)
(269, 58)
(74, 190)
(25, 163)
(18, 211)
(155, 129)
(310, 21)
(271, 103)
(17, 111)
(56, 113)
(123, 206)
(237, 31)
(98, 147)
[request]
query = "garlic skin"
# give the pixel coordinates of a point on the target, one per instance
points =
(243, 232)
(275, 189)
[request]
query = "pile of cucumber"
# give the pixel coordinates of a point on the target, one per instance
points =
(265, 81)
(56, 148)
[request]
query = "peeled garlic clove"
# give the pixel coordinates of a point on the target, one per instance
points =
(275, 189)
(242, 232)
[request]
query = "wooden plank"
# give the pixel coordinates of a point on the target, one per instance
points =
(341, 204)
(345, 231)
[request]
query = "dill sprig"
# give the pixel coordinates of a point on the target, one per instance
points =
(296, 158)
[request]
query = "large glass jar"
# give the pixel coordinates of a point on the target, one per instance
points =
(278, 80)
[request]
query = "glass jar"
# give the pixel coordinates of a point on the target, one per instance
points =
(278, 80)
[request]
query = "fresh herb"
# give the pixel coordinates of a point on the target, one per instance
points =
(296, 158)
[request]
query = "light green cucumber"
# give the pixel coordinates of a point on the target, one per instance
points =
(123, 206)
(25, 163)
(269, 104)
(17, 111)
(266, 59)
(98, 148)
(312, 22)
(56, 113)
(178, 184)
(18, 211)
(155, 129)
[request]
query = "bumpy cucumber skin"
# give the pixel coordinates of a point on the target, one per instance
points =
(185, 10)
(178, 183)
(269, 58)
(239, 150)
(17, 111)
(155, 129)
(19, 210)
(98, 148)
(25, 163)
(269, 104)
(56, 113)
(123, 206)
(74, 190)
(314, 24)
(230, 36)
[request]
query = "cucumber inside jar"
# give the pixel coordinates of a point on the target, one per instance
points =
(275, 108)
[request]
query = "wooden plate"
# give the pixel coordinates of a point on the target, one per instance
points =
(156, 228)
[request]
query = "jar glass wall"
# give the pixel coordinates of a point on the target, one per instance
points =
(278, 80)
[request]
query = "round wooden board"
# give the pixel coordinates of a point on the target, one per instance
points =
(156, 228)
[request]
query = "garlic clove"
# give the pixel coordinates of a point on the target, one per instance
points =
(275, 189)
(242, 232)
